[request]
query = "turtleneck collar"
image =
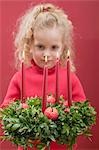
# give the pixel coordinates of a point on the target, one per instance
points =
(40, 70)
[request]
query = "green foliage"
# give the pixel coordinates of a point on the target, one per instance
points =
(30, 127)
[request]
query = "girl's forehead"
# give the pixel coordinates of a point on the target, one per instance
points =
(48, 34)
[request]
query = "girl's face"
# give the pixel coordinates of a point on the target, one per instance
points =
(47, 42)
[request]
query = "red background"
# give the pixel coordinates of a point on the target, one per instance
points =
(85, 16)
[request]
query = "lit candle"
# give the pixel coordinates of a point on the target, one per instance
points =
(44, 97)
(69, 90)
(57, 78)
(22, 76)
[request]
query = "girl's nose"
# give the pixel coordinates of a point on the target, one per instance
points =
(47, 53)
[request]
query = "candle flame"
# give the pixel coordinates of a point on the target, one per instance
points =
(23, 55)
(46, 58)
(68, 53)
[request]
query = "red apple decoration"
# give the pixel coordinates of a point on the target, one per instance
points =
(60, 102)
(51, 99)
(65, 103)
(24, 105)
(67, 110)
(51, 113)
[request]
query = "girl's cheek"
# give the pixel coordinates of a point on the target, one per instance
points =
(55, 55)
(38, 53)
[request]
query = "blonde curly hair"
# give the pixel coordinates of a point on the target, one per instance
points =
(39, 17)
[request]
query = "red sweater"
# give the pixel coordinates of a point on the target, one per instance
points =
(33, 78)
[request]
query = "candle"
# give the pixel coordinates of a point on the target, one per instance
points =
(57, 77)
(44, 97)
(22, 76)
(69, 90)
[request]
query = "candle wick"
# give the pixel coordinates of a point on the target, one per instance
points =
(67, 57)
(57, 59)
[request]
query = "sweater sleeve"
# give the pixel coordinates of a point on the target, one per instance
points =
(13, 91)
(77, 89)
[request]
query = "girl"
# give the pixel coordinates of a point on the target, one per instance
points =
(44, 30)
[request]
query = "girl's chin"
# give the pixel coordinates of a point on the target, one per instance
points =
(48, 66)
(41, 65)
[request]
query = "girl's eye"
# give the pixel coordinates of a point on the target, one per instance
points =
(55, 47)
(41, 47)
